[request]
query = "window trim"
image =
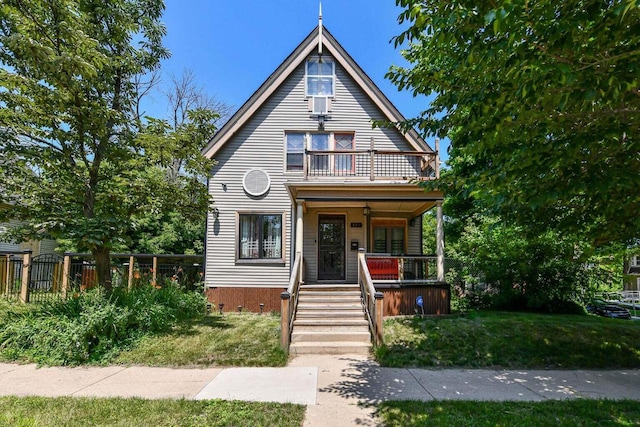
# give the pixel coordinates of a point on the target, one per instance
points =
(389, 223)
(635, 261)
(308, 135)
(286, 150)
(307, 75)
(262, 261)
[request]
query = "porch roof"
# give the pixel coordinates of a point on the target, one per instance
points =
(400, 198)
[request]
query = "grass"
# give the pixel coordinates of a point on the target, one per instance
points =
(233, 339)
(64, 411)
(511, 340)
(465, 413)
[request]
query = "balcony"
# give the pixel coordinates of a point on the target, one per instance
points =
(371, 164)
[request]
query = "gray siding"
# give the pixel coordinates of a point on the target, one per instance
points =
(414, 244)
(260, 143)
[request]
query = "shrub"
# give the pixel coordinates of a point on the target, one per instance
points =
(93, 325)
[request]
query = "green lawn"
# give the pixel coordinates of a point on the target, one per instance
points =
(511, 340)
(233, 339)
(64, 411)
(464, 413)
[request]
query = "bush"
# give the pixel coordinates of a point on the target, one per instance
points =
(93, 325)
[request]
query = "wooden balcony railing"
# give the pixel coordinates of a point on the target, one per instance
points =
(371, 164)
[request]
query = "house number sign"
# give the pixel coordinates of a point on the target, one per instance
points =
(356, 225)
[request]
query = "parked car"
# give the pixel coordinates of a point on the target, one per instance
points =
(605, 309)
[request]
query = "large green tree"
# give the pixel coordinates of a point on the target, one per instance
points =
(541, 102)
(74, 164)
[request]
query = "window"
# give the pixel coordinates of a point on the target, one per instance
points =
(260, 236)
(389, 236)
(320, 76)
(635, 261)
(344, 142)
(321, 141)
(295, 151)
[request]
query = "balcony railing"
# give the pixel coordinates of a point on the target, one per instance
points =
(406, 268)
(371, 164)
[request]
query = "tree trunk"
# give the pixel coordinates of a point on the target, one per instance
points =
(103, 267)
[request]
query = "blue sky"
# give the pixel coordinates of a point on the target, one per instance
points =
(232, 46)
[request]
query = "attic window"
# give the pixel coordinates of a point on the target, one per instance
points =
(320, 76)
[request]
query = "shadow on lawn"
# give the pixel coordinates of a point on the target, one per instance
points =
(513, 341)
(187, 328)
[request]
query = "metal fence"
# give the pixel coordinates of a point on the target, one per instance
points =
(49, 276)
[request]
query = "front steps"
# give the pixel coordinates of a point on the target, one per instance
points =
(330, 319)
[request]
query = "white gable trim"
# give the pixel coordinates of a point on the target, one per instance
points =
(285, 69)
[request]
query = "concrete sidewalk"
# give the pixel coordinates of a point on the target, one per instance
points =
(334, 388)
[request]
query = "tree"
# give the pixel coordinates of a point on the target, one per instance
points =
(541, 103)
(192, 122)
(74, 165)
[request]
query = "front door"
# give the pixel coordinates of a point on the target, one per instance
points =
(331, 243)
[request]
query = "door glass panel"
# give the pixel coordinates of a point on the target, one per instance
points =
(379, 240)
(397, 241)
(331, 253)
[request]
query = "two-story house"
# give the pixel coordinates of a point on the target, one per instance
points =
(302, 170)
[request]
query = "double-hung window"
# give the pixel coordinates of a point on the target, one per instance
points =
(295, 151)
(260, 236)
(320, 76)
(635, 261)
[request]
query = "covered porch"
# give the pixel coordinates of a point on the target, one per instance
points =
(335, 223)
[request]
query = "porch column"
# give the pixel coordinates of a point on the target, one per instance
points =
(299, 230)
(439, 242)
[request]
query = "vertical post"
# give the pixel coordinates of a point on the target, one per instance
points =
(379, 316)
(437, 158)
(372, 175)
(361, 253)
(131, 261)
(26, 268)
(285, 299)
(439, 242)
(299, 234)
(154, 273)
(8, 276)
(66, 272)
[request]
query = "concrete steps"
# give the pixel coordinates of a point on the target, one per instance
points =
(330, 319)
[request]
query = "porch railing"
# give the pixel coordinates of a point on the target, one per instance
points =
(289, 302)
(406, 268)
(372, 300)
(371, 164)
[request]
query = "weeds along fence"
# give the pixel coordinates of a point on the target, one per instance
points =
(28, 278)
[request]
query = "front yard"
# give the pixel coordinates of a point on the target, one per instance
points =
(511, 341)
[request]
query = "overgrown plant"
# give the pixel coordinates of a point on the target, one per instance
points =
(93, 325)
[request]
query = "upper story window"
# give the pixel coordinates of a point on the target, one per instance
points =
(635, 261)
(320, 77)
(320, 141)
(295, 151)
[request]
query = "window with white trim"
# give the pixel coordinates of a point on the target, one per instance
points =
(635, 261)
(320, 76)
(321, 141)
(260, 236)
(295, 151)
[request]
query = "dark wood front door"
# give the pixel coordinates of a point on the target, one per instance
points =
(331, 243)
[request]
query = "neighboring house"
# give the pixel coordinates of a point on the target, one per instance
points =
(38, 247)
(300, 168)
(632, 273)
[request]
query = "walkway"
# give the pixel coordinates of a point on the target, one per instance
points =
(338, 390)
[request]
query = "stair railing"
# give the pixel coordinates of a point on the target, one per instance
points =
(289, 302)
(372, 300)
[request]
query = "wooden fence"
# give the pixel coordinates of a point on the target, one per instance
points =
(41, 278)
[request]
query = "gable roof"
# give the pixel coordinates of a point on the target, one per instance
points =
(304, 49)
